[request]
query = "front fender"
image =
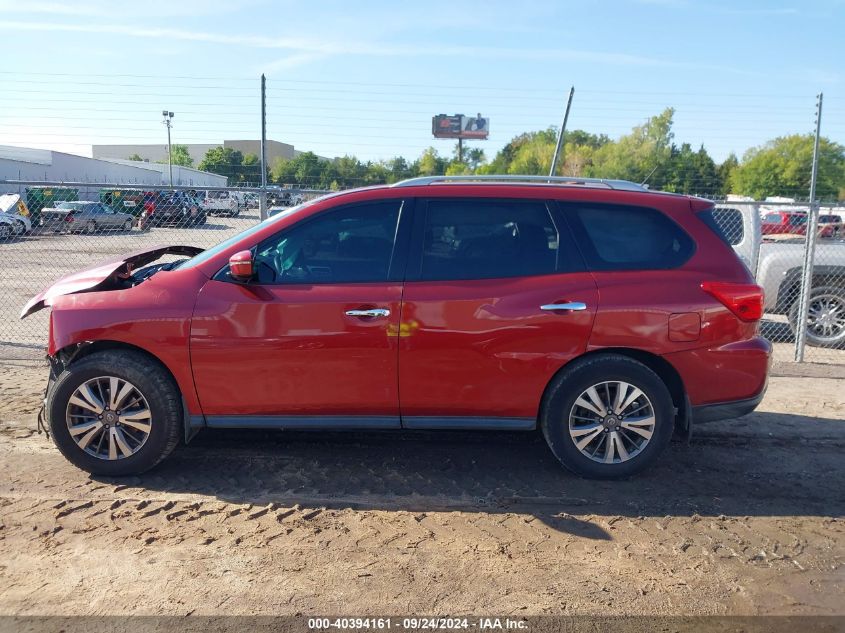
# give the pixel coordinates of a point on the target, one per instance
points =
(154, 317)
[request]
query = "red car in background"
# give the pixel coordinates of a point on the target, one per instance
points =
(782, 222)
(795, 222)
(602, 313)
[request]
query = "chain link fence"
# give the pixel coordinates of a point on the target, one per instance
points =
(71, 227)
(772, 240)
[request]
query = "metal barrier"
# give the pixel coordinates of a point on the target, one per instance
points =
(110, 220)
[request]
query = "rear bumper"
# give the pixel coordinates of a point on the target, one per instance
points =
(732, 376)
(726, 410)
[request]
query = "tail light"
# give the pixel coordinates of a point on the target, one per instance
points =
(69, 217)
(744, 300)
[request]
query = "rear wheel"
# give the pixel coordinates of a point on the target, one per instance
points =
(114, 413)
(127, 226)
(91, 227)
(825, 317)
(608, 416)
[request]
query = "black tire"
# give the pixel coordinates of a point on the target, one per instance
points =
(567, 387)
(156, 385)
(91, 227)
(5, 231)
(834, 294)
(20, 228)
(127, 226)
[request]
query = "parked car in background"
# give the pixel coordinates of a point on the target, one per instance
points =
(86, 216)
(251, 200)
(13, 207)
(830, 225)
(7, 229)
(782, 222)
(221, 203)
(596, 311)
(171, 208)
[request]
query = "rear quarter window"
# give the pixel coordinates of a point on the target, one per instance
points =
(726, 223)
(621, 237)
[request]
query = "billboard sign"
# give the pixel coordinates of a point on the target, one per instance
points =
(460, 126)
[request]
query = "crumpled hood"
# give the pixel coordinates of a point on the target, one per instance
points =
(90, 279)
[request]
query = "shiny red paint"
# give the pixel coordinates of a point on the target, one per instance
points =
(461, 348)
(267, 350)
(484, 348)
(240, 265)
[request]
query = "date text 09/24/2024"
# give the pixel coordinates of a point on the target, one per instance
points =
(412, 623)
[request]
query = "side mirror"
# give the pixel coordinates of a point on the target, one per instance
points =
(240, 266)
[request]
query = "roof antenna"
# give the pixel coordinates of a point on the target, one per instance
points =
(643, 183)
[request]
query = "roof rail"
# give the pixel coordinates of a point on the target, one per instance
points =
(624, 185)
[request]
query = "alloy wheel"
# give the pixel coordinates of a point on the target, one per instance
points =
(826, 317)
(611, 422)
(108, 418)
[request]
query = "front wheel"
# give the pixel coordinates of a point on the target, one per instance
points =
(825, 317)
(127, 226)
(607, 417)
(114, 413)
(91, 228)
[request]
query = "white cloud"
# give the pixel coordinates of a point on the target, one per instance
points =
(316, 48)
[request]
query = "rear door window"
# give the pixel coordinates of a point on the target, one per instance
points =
(616, 237)
(489, 239)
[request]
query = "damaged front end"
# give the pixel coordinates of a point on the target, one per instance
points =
(115, 274)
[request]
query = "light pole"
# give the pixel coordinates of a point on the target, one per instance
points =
(168, 117)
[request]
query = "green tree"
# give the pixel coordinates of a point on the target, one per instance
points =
(250, 171)
(224, 161)
(782, 167)
(281, 171)
(181, 157)
(135, 157)
(725, 171)
(644, 154)
(691, 172)
(430, 163)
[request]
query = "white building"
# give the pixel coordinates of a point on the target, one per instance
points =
(20, 163)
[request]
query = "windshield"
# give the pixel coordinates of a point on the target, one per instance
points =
(222, 246)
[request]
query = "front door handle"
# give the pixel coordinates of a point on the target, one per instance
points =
(572, 305)
(372, 312)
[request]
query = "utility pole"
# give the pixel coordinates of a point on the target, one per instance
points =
(460, 150)
(561, 132)
(262, 197)
(168, 117)
(809, 244)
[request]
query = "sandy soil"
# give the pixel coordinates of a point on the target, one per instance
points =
(747, 519)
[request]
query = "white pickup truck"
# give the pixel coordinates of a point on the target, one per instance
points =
(777, 266)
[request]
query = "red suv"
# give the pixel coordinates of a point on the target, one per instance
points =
(605, 314)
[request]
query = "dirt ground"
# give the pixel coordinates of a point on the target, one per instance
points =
(747, 519)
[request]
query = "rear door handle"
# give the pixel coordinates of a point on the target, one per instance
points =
(372, 312)
(572, 305)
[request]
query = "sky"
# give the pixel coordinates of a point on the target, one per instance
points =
(365, 78)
